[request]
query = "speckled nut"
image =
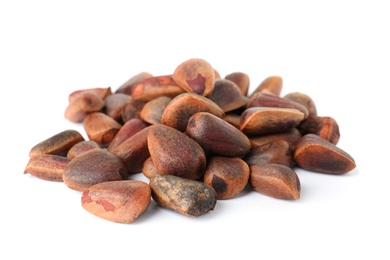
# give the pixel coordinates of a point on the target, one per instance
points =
(227, 95)
(93, 167)
(48, 167)
(185, 196)
(275, 180)
(117, 201)
(217, 136)
(272, 85)
(241, 79)
(313, 153)
(174, 153)
(154, 87)
(228, 176)
(269, 120)
(101, 128)
(323, 126)
(195, 76)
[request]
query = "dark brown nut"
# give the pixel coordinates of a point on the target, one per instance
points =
(269, 100)
(272, 85)
(217, 136)
(228, 176)
(233, 119)
(277, 152)
(58, 144)
(127, 86)
(132, 109)
(93, 167)
(149, 169)
(174, 153)
(114, 104)
(81, 147)
(128, 129)
(82, 105)
(154, 87)
(101, 128)
(181, 108)
(304, 100)
(101, 92)
(291, 136)
(313, 153)
(324, 126)
(185, 196)
(153, 110)
(241, 79)
(48, 167)
(227, 95)
(117, 201)
(134, 151)
(275, 180)
(269, 120)
(195, 76)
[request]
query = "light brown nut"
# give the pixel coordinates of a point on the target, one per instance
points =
(82, 105)
(81, 147)
(241, 79)
(48, 167)
(114, 104)
(291, 136)
(181, 108)
(185, 196)
(132, 109)
(153, 110)
(277, 152)
(275, 180)
(316, 154)
(134, 150)
(324, 126)
(228, 176)
(101, 92)
(149, 169)
(154, 87)
(117, 201)
(217, 136)
(58, 144)
(269, 100)
(272, 85)
(128, 129)
(92, 167)
(227, 95)
(269, 120)
(195, 76)
(101, 128)
(174, 153)
(127, 86)
(304, 100)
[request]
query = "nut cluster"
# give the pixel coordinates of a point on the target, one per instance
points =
(196, 136)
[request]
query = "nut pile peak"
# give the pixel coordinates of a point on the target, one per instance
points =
(196, 136)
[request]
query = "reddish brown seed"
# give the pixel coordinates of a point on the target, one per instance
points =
(58, 144)
(233, 119)
(134, 151)
(228, 176)
(114, 104)
(81, 147)
(217, 136)
(304, 100)
(174, 153)
(101, 128)
(153, 110)
(324, 126)
(227, 95)
(93, 167)
(291, 136)
(181, 108)
(272, 85)
(185, 196)
(132, 109)
(48, 167)
(82, 105)
(269, 120)
(129, 129)
(101, 92)
(313, 153)
(241, 79)
(117, 201)
(275, 180)
(149, 169)
(154, 87)
(277, 151)
(195, 76)
(127, 86)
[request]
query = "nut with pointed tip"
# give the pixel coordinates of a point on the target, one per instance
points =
(48, 167)
(81, 147)
(241, 79)
(272, 85)
(158, 86)
(324, 126)
(227, 95)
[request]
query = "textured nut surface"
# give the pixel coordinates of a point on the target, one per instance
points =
(127, 86)
(227, 95)
(102, 92)
(324, 126)
(185, 196)
(114, 104)
(304, 100)
(241, 79)
(291, 136)
(81, 147)
(117, 201)
(272, 85)
(101, 128)
(83, 104)
(153, 110)
(48, 167)
(154, 87)
(277, 151)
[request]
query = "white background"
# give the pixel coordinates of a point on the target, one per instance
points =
(337, 52)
